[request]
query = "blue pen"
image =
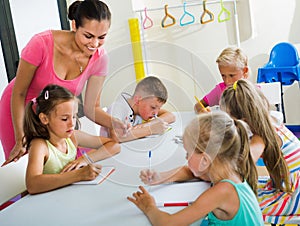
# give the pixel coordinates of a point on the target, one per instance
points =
(150, 155)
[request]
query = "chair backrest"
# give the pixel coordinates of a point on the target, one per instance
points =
(272, 92)
(283, 54)
(12, 177)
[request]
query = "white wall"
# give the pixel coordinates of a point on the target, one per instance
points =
(184, 57)
(33, 16)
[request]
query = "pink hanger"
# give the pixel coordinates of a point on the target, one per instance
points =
(147, 20)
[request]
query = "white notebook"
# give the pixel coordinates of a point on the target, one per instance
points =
(186, 192)
(105, 173)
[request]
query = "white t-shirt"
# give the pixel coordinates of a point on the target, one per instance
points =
(122, 110)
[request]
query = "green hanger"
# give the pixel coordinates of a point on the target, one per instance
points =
(224, 11)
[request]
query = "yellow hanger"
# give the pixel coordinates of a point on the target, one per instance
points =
(224, 11)
(206, 11)
(147, 20)
(167, 15)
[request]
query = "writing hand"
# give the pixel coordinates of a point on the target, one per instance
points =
(90, 171)
(150, 177)
(158, 126)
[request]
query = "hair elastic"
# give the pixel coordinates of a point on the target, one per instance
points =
(46, 95)
(34, 105)
(234, 85)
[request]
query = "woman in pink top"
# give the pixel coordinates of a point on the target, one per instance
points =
(233, 65)
(67, 58)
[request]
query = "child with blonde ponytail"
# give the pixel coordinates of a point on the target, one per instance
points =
(217, 148)
(279, 148)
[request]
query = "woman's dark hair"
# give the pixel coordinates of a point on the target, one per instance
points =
(90, 10)
(51, 96)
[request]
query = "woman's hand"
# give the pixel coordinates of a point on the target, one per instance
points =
(17, 152)
(120, 127)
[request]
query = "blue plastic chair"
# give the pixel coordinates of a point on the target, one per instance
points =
(283, 67)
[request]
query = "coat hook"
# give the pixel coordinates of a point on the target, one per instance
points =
(186, 13)
(206, 11)
(147, 20)
(167, 15)
(224, 11)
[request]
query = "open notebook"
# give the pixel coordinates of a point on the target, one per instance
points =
(177, 194)
(105, 172)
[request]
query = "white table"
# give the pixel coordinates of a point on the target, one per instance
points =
(106, 203)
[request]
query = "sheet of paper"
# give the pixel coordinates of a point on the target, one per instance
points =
(178, 192)
(105, 172)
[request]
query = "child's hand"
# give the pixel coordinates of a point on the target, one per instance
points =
(90, 171)
(150, 177)
(143, 200)
(158, 126)
(76, 164)
(199, 109)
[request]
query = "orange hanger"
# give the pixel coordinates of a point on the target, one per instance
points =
(206, 11)
(147, 20)
(167, 15)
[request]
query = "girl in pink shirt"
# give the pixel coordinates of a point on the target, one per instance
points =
(233, 65)
(71, 59)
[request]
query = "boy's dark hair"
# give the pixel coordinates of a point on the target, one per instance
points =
(152, 86)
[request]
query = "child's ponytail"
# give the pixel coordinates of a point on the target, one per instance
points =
(246, 165)
(33, 128)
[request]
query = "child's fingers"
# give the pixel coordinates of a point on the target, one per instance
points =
(144, 191)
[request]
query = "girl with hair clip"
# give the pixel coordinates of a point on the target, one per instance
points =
(216, 148)
(52, 142)
(279, 148)
(73, 59)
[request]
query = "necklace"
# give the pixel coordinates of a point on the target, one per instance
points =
(80, 66)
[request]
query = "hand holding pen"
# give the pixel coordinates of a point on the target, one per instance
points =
(150, 177)
(199, 107)
(92, 170)
(158, 125)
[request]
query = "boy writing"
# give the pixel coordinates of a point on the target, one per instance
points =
(142, 111)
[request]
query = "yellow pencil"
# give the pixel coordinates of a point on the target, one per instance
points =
(197, 99)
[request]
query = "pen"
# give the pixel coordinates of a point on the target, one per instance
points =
(170, 204)
(199, 102)
(86, 157)
(169, 128)
(149, 155)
